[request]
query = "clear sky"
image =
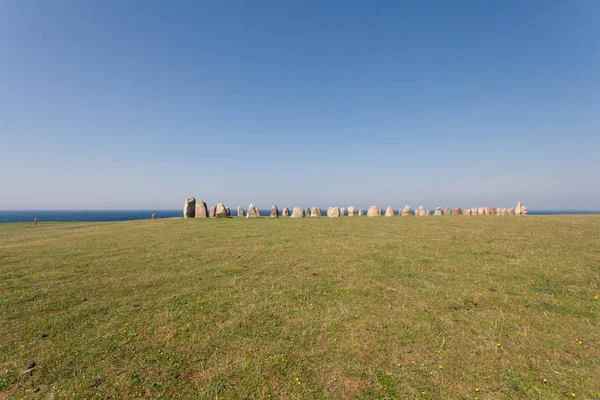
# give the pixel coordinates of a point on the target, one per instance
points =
(139, 104)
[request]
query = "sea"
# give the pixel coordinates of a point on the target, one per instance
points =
(130, 215)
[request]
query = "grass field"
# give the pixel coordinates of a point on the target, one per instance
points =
(403, 307)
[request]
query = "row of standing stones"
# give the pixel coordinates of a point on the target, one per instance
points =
(198, 209)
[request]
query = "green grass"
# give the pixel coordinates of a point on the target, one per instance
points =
(403, 307)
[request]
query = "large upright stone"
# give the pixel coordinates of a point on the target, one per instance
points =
(457, 211)
(438, 211)
(228, 211)
(274, 211)
(314, 212)
(342, 212)
(447, 211)
(333, 212)
(307, 212)
(420, 211)
(406, 211)
(285, 212)
(511, 211)
(352, 211)
(252, 212)
(474, 211)
(480, 211)
(389, 212)
(240, 211)
(520, 209)
(189, 207)
(221, 211)
(213, 212)
(467, 211)
(493, 211)
(201, 210)
(373, 211)
(361, 212)
(427, 213)
(297, 212)
(486, 211)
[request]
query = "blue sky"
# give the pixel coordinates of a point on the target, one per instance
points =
(139, 104)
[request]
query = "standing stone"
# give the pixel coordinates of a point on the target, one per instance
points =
(352, 211)
(524, 210)
(221, 211)
(213, 211)
(274, 211)
(285, 212)
(201, 210)
(438, 211)
(480, 211)
(521, 209)
(493, 211)
(153, 218)
(474, 211)
(297, 212)
(447, 211)
(228, 212)
(343, 212)
(333, 212)
(189, 208)
(361, 212)
(240, 211)
(427, 213)
(457, 211)
(379, 212)
(420, 211)
(314, 212)
(252, 212)
(373, 211)
(486, 211)
(511, 211)
(389, 212)
(406, 211)
(307, 212)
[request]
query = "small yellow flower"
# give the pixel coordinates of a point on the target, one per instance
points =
(498, 344)
(399, 364)
(572, 394)
(440, 367)
(545, 380)
(477, 389)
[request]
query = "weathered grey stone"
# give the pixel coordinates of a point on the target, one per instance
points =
(333, 212)
(361, 212)
(520, 209)
(307, 212)
(297, 212)
(480, 211)
(420, 211)
(486, 211)
(342, 212)
(274, 211)
(252, 212)
(406, 211)
(241, 212)
(221, 211)
(389, 212)
(189, 208)
(511, 211)
(428, 213)
(373, 211)
(457, 211)
(201, 210)
(213, 211)
(468, 211)
(447, 211)
(314, 212)
(154, 217)
(474, 211)
(493, 211)
(438, 211)
(228, 211)
(285, 212)
(352, 211)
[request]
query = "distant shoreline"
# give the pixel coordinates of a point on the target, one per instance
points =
(132, 215)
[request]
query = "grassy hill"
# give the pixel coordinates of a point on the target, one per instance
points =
(403, 307)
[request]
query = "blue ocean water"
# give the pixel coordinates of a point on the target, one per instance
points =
(129, 215)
